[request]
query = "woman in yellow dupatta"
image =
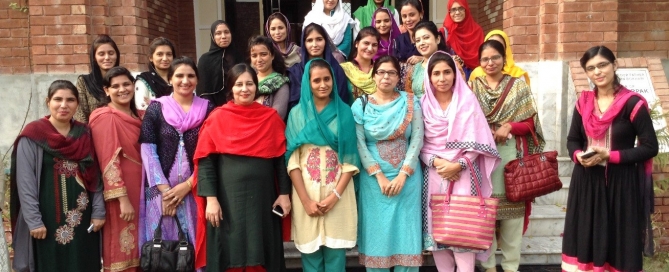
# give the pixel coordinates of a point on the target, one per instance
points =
(510, 67)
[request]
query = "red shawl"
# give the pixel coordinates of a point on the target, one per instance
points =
(596, 127)
(76, 147)
(464, 37)
(253, 130)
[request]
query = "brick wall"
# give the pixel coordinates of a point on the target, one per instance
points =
(521, 23)
(490, 14)
(661, 87)
(13, 40)
(643, 28)
(186, 30)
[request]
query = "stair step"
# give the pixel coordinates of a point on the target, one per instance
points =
(558, 197)
(546, 221)
(539, 251)
(534, 251)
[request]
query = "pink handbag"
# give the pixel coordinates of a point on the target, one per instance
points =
(464, 221)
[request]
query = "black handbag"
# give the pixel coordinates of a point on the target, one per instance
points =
(161, 255)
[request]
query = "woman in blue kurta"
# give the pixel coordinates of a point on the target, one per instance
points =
(389, 128)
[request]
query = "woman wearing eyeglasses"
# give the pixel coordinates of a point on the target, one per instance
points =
(389, 128)
(514, 119)
(463, 34)
(607, 226)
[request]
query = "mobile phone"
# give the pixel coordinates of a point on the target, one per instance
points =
(90, 228)
(588, 154)
(278, 211)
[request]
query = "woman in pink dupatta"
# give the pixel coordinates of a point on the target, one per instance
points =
(453, 125)
(115, 129)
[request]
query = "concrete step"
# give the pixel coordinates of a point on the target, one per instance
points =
(558, 197)
(538, 251)
(546, 221)
(534, 251)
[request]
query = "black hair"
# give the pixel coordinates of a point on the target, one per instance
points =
(183, 60)
(439, 57)
(415, 3)
(100, 40)
(278, 64)
(159, 42)
(606, 53)
(117, 72)
(318, 28)
(384, 59)
(234, 73)
(364, 32)
(498, 46)
(61, 84)
(320, 63)
(430, 26)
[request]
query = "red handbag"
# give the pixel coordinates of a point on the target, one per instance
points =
(531, 176)
(464, 221)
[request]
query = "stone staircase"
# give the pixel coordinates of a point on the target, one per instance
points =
(542, 242)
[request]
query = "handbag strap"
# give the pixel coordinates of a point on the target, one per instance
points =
(476, 184)
(535, 139)
(158, 233)
(502, 97)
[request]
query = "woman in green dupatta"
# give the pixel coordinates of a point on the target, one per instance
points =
(359, 69)
(273, 89)
(322, 158)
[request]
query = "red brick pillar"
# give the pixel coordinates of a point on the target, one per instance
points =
(521, 23)
(129, 28)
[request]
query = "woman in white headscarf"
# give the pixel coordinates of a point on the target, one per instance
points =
(331, 15)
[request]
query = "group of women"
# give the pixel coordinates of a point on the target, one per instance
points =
(350, 153)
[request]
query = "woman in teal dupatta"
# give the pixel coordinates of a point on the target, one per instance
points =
(322, 157)
(389, 128)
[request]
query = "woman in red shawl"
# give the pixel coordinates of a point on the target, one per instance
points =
(115, 130)
(463, 34)
(239, 155)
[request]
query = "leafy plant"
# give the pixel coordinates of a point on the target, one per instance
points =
(22, 7)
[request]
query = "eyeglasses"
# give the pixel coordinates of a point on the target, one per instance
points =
(391, 73)
(494, 58)
(459, 9)
(599, 66)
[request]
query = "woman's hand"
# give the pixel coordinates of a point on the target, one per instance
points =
(168, 208)
(602, 155)
(127, 211)
(97, 224)
(501, 135)
(38, 233)
(384, 183)
(284, 202)
(328, 203)
(177, 193)
(311, 207)
(213, 212)
(447, 170)
(414, 59)
(397, 184)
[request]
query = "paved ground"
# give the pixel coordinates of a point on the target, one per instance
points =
(527, 268)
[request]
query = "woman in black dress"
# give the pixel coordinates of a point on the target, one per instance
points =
(214, 64)
(611, 194)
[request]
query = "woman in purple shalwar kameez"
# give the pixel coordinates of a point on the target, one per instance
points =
(168, 138)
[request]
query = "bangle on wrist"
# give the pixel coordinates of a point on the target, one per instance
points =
(190, 184)
(336, 193)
